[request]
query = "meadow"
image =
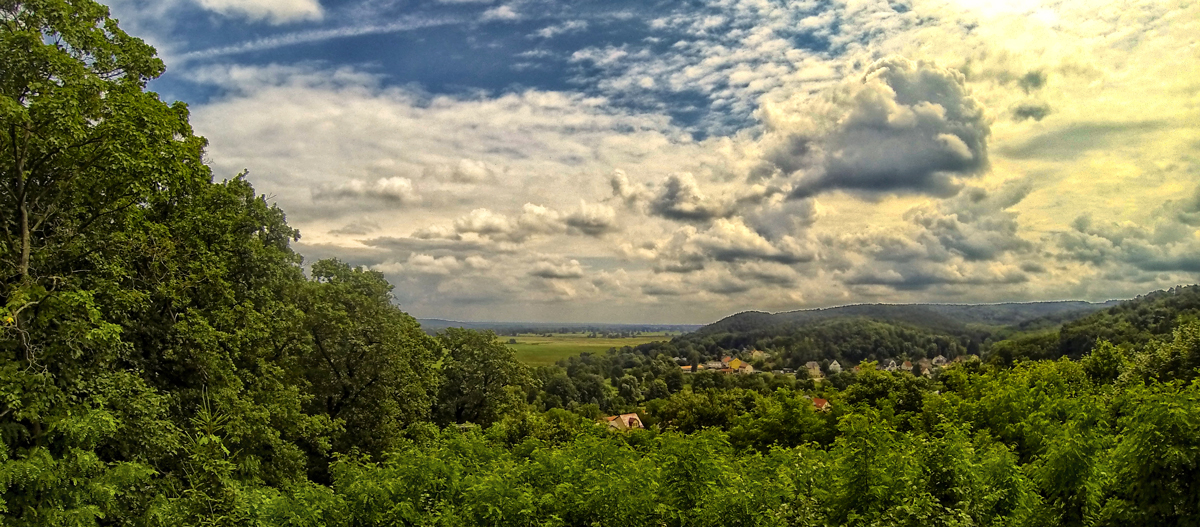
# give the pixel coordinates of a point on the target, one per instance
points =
(542, 350)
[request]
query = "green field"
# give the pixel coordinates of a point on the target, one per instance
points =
(538, 350)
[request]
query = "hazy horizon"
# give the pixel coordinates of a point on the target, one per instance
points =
(623, 161)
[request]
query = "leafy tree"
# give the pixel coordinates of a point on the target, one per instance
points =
(370, 366)
(482, 379)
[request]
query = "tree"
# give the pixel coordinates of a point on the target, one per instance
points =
(481, 378)
(369, 365)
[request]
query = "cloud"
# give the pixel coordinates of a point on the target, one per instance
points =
(906, 127)
(593, 219)
(570, 26)
(565, 270)
(681, 199)
(976, 225)
(273, 11)
(1031, 110)
(631, 193)
(394, 189)
(357, 228)
(404, 24)
(1169, 244)
(534, 220)
(464, 171)
(502, 12)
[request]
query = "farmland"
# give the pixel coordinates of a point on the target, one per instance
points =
(542, 350)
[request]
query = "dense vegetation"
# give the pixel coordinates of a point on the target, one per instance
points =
(166, 360)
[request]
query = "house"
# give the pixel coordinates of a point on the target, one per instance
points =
(834, 367)
(623, 422)
(685, 369)
(758, 354)
(821, 405)
(939, 361)
(814, 369)
(734, 364)
(891, 366)
(725, 360)
(926, 366)
(713, 365)
(907, 366)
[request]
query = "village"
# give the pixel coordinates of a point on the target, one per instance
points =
(923, 367)
(817, 371)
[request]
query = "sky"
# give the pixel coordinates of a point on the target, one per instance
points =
(676, 162)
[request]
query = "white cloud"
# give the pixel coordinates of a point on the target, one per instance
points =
(501, 12)
(570, 26)
(558, 270)
(396, 189)
(272, 11)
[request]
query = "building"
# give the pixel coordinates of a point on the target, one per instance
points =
(834, 367)
(821, 405)
(939, 361)
(814, 369)
(891, 366)
(623, 422)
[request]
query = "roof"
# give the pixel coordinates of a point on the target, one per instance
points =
(624, 421)
(820, 404)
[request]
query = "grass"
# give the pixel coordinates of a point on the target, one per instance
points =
(538, 350)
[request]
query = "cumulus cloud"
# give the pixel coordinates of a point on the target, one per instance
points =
(1169, 244)
(569, 269)
(628, 191)
(680, 199)
(909, 127)
(272, 11)
(534, 220)
(592, 219)
(395, 189)
(975, 225)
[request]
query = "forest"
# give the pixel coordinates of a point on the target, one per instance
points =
(168, 359)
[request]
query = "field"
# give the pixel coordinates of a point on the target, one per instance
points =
(539, 350)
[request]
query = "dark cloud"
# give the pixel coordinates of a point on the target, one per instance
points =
(592, 220)
(924, 275)
(1166, 245)
(1031, 110)
(681, 199)
(1032, 81)
(974, 225)
(908, 127)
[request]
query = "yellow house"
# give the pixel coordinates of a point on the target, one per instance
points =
(734, 364)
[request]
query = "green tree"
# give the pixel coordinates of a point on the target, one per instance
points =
(370, 366)
(481, 378)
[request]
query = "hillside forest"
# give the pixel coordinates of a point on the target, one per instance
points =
(168, 359)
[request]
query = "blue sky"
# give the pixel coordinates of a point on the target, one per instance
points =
(542, 160)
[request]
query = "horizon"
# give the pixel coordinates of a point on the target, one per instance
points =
(541, 160)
